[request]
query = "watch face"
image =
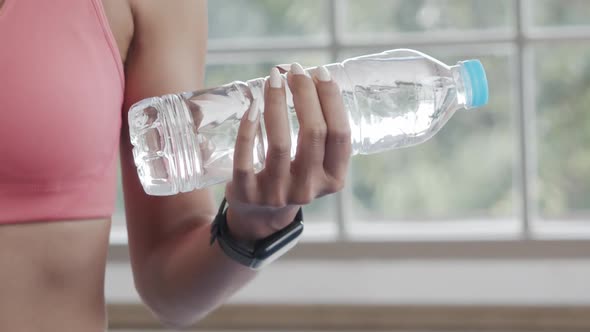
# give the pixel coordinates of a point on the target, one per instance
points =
(275, 247)
(278, 240)
(264, 251)
(260, 263)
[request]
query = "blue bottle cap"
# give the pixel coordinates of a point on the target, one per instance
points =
(476, 82)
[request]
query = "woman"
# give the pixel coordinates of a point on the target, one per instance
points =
(69, 70)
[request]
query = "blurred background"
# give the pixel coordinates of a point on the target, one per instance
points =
(484, 227)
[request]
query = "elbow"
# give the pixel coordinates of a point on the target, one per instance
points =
(171, 311)
(160, 280)
(174, 322)
(173, 308)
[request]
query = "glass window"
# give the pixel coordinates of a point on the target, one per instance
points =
(563, 130)
(224, 68)
(547, 13)
(378, 17)
(261, 19)
(465, 171)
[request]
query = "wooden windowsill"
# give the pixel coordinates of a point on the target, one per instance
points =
(369, 317)
(355, 250)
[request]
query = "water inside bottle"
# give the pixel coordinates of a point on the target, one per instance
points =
(404, 114)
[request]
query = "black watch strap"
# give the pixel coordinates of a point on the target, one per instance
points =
(259, 253)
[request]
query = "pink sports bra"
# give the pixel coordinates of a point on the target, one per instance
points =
(61, 94)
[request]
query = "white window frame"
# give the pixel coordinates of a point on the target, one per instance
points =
(342, 238)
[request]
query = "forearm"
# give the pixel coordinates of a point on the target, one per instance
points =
(185, 277)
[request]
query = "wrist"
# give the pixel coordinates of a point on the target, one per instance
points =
(252, 227)
(244, 232)
(251, 246)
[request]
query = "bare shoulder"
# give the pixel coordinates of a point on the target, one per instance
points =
(156, 16)
(133, 21)
(173, 35)
(159, 7)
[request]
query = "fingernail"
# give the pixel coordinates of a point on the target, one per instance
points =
(296, 69)
(275, 78)
(323, 74)
(283, 68)
(254, 110)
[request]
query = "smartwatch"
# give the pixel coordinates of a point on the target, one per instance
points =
(262, 252)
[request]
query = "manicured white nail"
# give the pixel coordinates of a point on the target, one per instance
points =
(275, 78)
(296, 69)
(254, 110)
(323, 74)
(283, 68)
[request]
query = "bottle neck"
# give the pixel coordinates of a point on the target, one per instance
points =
(463, 93)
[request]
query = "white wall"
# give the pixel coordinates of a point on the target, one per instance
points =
(411, 281)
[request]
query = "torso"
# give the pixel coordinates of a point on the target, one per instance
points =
(52, 273)
(52, 276)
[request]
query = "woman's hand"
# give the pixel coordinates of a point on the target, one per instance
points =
(261, 204)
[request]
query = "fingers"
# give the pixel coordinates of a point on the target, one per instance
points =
(312, 126)
(323, 148)
(243, 173)
(338, 145)
(278, 160)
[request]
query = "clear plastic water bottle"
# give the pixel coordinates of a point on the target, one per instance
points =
(394, 99)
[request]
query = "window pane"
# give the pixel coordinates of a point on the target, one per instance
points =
(560, 13)
(465, 171)
(224, 68)
(395, 16)
(267, 18)
(563, 129)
